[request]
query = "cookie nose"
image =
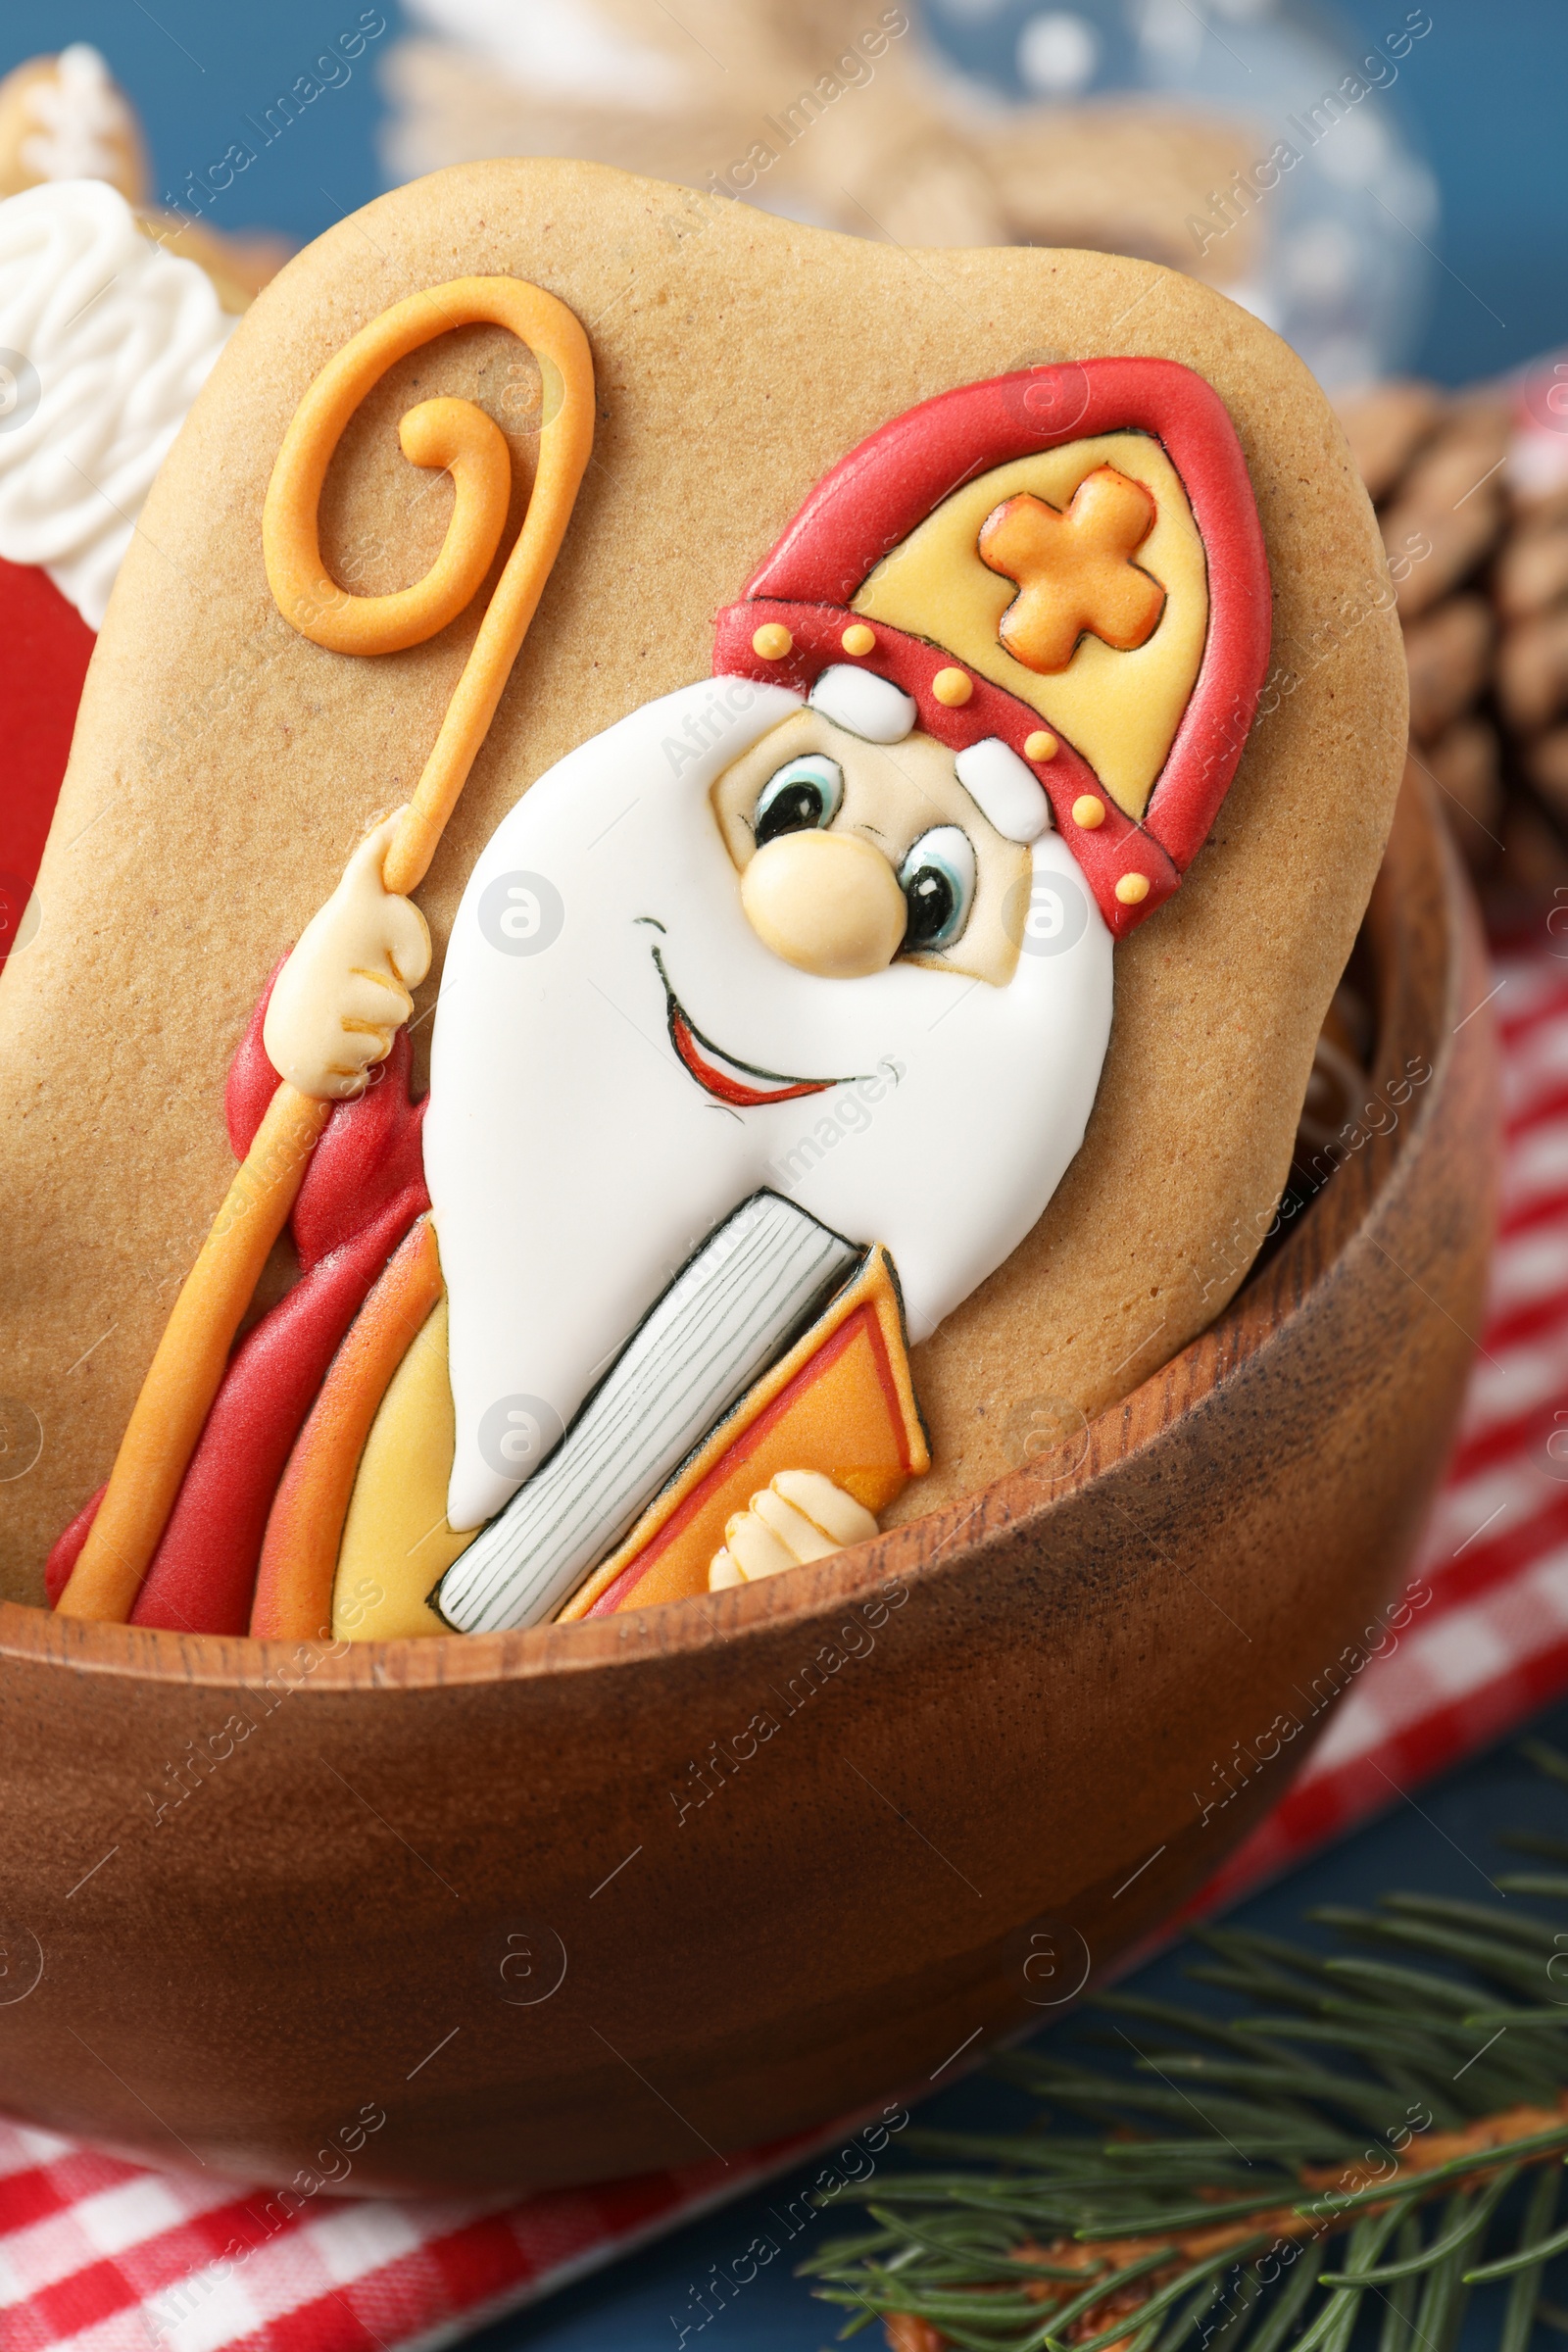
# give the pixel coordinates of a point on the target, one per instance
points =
(828, 903)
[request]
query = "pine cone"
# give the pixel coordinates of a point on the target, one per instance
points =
(1483, 595)
(908, 2335)
(1434, 463)
(1531, 591)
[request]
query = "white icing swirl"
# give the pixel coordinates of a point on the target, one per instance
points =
(120, 336)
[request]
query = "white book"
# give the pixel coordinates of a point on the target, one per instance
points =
(733, 1309)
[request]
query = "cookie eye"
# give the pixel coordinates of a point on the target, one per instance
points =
(803, 794)
(937, 879)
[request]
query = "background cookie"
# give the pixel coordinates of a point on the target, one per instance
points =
(223, 765)
(65, 118)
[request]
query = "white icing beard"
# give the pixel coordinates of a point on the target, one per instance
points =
(117, 337)
(574, 1163)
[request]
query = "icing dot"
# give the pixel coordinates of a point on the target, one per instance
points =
(1040, 745)
(953, 687)
(857, 639)
(772, 641)
(1133, 888)
(1089, 813)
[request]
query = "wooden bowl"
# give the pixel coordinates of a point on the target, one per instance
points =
(587, 1900)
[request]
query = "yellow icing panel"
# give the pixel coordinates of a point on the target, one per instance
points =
(396, 1540)
(1120, 709)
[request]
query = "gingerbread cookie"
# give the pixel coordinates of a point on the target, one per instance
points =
(64, 118)
(905, 847)
(848, 116)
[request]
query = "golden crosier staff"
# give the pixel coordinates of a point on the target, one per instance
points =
(183, 1378)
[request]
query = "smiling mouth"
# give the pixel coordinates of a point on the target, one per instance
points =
(740, 1084)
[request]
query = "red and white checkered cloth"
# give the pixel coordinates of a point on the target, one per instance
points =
(1486, 1638)
(105, 2257)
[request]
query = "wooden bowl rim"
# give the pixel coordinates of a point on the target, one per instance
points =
(919, 1550)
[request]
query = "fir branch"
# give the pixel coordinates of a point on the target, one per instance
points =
(1192, 2194)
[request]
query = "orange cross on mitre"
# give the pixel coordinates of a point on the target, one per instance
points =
(1074, 570)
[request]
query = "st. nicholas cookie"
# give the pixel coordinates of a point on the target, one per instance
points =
(764, 933)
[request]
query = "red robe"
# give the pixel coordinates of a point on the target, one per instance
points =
(361, 1191)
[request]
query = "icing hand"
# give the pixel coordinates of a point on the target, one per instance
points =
(346, 989)
(801, 1515)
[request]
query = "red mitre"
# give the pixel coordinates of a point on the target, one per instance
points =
(798, 615)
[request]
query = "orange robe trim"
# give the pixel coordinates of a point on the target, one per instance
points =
(304, 1528)
(841, 1401)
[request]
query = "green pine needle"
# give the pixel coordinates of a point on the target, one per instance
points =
(1267, 2175)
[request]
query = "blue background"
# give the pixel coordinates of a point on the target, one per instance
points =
(196, 69)
(1484, 95)
(1484, 92)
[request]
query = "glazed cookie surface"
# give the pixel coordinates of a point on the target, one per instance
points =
(225, 766)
